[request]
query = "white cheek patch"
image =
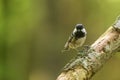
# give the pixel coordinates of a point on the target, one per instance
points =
(83, 30)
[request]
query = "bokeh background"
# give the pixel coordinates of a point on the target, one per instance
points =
(33, 33)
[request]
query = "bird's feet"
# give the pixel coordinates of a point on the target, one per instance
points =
(84, 51)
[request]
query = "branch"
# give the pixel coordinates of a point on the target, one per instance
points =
(84, 67)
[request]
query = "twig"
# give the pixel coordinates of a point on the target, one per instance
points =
(83, 68)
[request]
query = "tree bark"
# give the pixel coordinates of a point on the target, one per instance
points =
(84, 67)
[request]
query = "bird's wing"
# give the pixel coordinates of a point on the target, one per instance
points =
(66, 47)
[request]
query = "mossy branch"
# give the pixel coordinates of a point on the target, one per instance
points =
(84, 67)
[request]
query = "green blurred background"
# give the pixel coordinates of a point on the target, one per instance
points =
(33, 33)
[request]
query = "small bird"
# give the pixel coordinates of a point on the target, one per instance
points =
(76, 39)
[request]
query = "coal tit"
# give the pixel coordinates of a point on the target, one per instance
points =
(77, 38)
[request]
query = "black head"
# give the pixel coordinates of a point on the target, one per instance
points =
(79, 31)
(79, 26)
